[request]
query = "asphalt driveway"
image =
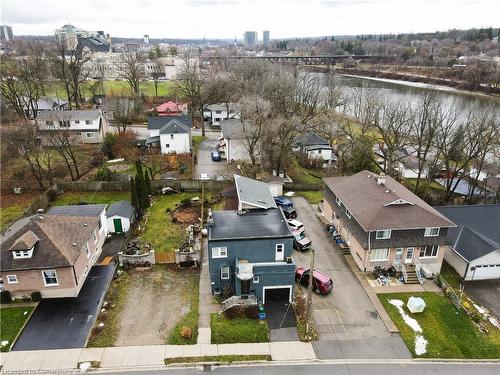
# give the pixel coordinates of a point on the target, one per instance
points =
(485, 293)
(64, 323)
(205, 164)
(347, 321)
(281, 321)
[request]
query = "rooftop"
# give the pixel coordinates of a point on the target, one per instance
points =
(251, 224)
(233, 128)
(82, 114)
(78, 210)
(310, 139)
(121, 208)
(174, 126)
(388, 205)
(478, 229)
(156, 123)
(254, 193)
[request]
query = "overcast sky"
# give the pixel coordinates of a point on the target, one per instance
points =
(230, 18)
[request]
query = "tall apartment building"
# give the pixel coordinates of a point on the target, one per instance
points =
(250, 38)
(265, 37)
(6, 33)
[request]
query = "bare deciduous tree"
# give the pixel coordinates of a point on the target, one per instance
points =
(131, 69)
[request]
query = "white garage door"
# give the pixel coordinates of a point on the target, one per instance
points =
(486, 271)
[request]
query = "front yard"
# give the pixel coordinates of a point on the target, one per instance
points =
(237, 330)
(149, 307)
(12, 321)
(449, 334)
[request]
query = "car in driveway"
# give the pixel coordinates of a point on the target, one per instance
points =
(215, 156)
(295, 226)
(301, 242)
(287, 207)
(321, 283)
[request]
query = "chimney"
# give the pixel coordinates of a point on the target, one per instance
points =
(381, 179)
(210, 219)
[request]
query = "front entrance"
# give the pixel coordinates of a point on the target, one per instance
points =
(245, 287)
(409, 255)
(399, 255)
(118, 225)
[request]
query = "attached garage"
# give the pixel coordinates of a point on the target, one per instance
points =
(277, 293)
(120, 216)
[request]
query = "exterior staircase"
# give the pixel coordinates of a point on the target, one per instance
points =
(238, 301)
(411, 277)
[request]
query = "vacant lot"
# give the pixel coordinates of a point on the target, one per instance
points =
(146, 307)
(12, 320)
(449, 334)
(237, 330)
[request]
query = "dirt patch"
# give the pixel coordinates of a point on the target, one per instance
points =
(8, 198)
(186, 215)
(156, 300)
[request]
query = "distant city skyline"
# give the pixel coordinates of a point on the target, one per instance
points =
(286, 18)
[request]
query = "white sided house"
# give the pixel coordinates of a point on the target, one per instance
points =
(216, 113)
(171, 134)
(474, 245)
(316, 148)
(232, 140)
(83, 126)
(120, 216)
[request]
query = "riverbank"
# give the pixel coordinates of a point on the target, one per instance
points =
(457, 87)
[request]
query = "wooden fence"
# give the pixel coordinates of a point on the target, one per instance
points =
(165, 258)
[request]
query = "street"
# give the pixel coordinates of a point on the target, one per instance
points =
(399, 368)
(346, 320)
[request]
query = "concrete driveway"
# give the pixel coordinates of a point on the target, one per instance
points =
(65, 323)
(205, 164)
(347, 321)
(485, 293)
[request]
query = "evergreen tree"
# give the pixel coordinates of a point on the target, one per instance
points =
(139, 185)
(147, 182)
(133, 193)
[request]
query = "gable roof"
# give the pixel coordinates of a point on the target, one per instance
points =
(174, 126)
(478, 229)
(121, 208)
(60, 241)
(378, 207)
(233, 128)
(82, 114)
(169, 106)
(25, 242)
(155, 123)
(254, 193)
(78, 210)
(311, 139)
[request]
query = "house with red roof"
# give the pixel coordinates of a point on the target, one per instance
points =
(170, 108)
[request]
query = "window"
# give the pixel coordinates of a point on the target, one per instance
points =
(87, 250)
(171, 136)
(383, 234)
(429, 251)
(379, 255)
(431, 232)
(19, 254)
(95, 236)
(167, 145)
(218, 112)
(100, 223)
(90, 135)
(337, 200)
(256, 279)
(11, 279)
(64, 124)
(88, 122)
(49, 123)
(50, 278)
(77, 121)
(219, 252)
(224, 273)
(348, 213)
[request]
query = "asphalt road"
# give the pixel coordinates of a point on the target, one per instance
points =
(64, 323)
(405, 368)
(347, 321)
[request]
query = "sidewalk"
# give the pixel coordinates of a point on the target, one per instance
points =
(206, 304)
(154, 355)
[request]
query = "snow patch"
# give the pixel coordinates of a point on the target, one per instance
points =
(494, 321)
(4, 343)
(420, 341)
(480, 309)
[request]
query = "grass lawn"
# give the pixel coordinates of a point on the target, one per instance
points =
(219, 359)
(312, 197)
(189, 320)
(116, 296)
(237, 330)
(451, 276)
(159, 231)
(102, 197)
(56, 89)
(9, 214)
(449, 334)
(197, 139)
(12, 320)
(302, 175)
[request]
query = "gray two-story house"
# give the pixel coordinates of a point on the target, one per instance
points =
(250, 249)
(385, 224)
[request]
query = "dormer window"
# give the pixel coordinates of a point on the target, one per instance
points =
(20, 254)
(24, 246)
(431, 232)
(383, 234)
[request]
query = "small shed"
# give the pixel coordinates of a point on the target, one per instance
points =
(120, 216)
(275, 185)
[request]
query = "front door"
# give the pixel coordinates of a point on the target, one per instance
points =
(245, 287)
(399, 255)
(118, 225)
(409, 255)
(280, 252)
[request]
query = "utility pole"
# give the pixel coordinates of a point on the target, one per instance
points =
(309, 292)
(202, 203)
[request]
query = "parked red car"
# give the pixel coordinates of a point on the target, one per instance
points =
(321, 283)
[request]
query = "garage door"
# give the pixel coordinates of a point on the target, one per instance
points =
(277, 294)
(486, 271)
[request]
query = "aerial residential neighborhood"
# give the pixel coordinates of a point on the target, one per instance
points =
(184, 196)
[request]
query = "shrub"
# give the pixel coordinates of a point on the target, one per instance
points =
(5, 297)
(36, 296)
(187, 332)
(104, 174)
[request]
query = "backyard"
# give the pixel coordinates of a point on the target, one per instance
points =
(237, 330)
(12, 321)
(101, 197)
(140, 308)
(448, 333)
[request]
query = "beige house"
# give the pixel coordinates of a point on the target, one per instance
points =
(52, 253)
(384, 224)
